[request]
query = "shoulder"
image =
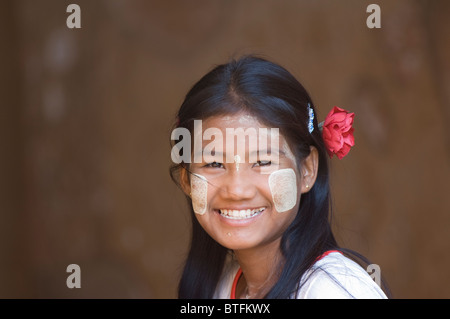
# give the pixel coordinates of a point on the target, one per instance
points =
(337, 277)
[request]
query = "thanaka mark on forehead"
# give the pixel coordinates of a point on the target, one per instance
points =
(237, 160)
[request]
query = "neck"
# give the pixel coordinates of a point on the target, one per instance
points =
(260, 267)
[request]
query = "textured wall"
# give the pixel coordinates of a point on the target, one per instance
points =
(86, 116)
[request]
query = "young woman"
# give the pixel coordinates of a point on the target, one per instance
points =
(260, 206)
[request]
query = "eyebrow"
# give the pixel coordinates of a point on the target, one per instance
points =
(257, 152)
(269, 152)
(214, 153)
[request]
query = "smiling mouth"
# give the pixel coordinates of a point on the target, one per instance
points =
(241, 214)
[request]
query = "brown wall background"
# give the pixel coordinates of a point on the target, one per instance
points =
(86, 116)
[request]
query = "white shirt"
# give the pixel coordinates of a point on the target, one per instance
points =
(332, 277)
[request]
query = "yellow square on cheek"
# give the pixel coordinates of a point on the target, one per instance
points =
(283, 186)
(199, 193)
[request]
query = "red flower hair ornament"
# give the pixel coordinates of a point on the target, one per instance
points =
(337, 132)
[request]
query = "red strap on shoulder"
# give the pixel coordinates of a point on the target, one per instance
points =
(235, 281)
(327, 253)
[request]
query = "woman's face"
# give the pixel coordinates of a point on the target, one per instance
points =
(244, 193)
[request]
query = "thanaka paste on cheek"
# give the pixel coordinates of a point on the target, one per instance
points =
(199, 192)
(283, 186)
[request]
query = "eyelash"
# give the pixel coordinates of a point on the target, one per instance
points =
(220, 165)
(262, 163)
(212, 165)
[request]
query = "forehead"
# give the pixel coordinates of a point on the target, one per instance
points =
(247, 123)
(243, 120)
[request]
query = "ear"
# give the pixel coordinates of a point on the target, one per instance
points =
(309, 170)
(185, 181)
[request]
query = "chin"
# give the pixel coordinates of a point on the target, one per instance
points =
(239, 242)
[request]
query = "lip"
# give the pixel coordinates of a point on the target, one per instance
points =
(240, 222)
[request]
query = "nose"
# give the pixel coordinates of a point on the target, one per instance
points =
(238, 185)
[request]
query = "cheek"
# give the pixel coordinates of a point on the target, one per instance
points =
(199, 193)
(283, 187)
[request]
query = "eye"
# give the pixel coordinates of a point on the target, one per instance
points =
(262, 163)
(214, 165)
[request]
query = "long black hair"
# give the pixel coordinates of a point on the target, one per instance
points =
(269, 92)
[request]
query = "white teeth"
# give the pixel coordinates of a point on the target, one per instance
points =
(240, 214)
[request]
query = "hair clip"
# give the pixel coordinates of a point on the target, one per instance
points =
(311, 119)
